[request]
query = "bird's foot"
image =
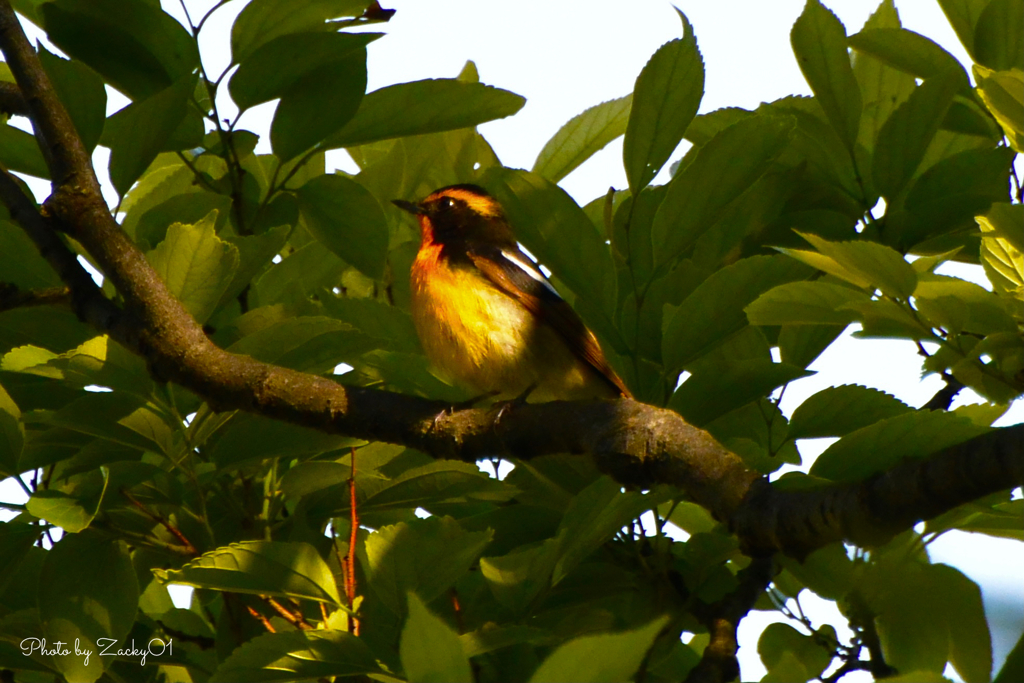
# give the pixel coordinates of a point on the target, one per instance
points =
(462, 405)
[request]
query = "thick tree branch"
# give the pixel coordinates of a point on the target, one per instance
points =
(635, 443)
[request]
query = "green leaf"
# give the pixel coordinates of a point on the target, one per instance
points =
(310, 344)
(819, 43)
(800, 345)
(594, 516)
(91, 593)
(116, 416)
(1001, 248)
(837, 411)
(423, 556)
(581, 137)
(999, 35)
(250, 437)
(261, 21)
(904, 138)
(666, 97)
(281, 64)
(196, 265)
(1013, 667)
(1001, 91)
(551, 225)
(319, 103)
(879, 265)
(347, 219)
(951, 193)
(142, 129)
(961, 306)
(81, 91)
(19, 151)
(909, 52)
(293, 570)
(298, 655)
(298, 276)
(73, 503)
(828, 571)
(430, 650)
(713, 392)
(255, 253)
(598, 658)
(12, 435)
(191, 207)
(420, 107)
(714, 310)
(392, 326)
(963, 15)
(721, 172)
(517, 577)
(133, 45)
(969, 638)
(16, 541)
(779, 639)
(804, 303)
(20, 261)
(881, 445)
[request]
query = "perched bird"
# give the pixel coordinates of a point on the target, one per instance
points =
(485, 313)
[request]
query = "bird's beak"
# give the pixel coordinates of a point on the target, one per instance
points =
(413, 208)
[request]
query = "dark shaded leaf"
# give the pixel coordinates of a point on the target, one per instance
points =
(882, 444)
(142, 130)
(819, 43)
(837, 411)
(666, 96)
(347, 219)
(419, 107)
(91, 593)
(714, 310)
(904, 138)
(261, 21)
(722, 171)
(135, 46)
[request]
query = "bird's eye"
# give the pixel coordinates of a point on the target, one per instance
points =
(446, 204)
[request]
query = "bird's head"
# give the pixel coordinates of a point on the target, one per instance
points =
(460, 214)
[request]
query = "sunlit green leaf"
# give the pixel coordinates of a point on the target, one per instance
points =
(804, 303)
(293, 570)
(600, 657)
(581, 137)
(430, 650)
(196, 265)
(297, 655)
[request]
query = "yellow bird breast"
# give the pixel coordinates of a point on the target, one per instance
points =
(482, 338)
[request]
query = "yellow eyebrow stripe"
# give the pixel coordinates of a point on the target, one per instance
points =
(483, 206)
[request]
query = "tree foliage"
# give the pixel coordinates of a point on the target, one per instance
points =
(779, 228)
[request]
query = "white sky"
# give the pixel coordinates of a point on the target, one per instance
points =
(566, 56)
